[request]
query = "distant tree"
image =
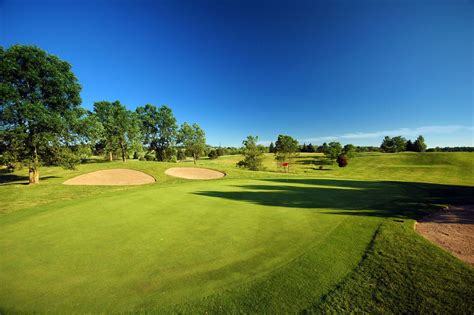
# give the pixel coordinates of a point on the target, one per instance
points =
(271, 148)
(193, 139)
(286, 148)
(419, 145)
(342, 160)
(322, 148)
(213, 155)
(349, 150)
(400, 143)
(333, 150)
(253, 154)
(121, 127)
(304, 148)
(221, 151)
(410, 146)
(310, 148)
(39, 106)
(393, 145)
(159, 129)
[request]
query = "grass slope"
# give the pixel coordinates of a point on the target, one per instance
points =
(251, 242)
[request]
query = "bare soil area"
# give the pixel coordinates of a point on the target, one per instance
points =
(194, 173)
(112, 177)
(452, 229)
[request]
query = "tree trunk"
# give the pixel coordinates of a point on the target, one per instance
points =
(34, 175)
(123, 152)
(111, 158)
(194, 159)
(34, 169)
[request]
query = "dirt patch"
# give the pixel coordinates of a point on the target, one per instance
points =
(452, 229)
(194, 173)
(112, 177)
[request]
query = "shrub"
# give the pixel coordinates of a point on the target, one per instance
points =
(213, 155)
(342, 161)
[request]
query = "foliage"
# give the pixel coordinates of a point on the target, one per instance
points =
(181, 155)
(159, 129)
(333, 150)
(342, 160)
(213, 155)
(286, 148)
(121, 128)
(349, 150)
(39, 106)
(271, 148)
(393, 145)
(419, 145)
(253, 154)
(193, 139)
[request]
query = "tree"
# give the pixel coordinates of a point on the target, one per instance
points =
(304, 148)
(286, 148)
(39, 105)
(253, 154)
(349, 150)
(410, 146)
(419, 145)
(333, 150)
(159, 129)
(121, 127)
(193, 139)
(310, 148)
(400, 143)
(393, 145)
(271, 148)
(342, 160)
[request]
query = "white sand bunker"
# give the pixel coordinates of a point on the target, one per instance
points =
(112, 177)
(194, 173)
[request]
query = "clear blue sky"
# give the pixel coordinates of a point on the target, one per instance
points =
(316, 70)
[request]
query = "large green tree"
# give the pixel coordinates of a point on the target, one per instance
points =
(394, 145)
(286, 148)
(39, 106)
(193, 139)
(120, 127)
(253, 154)
(159, 130)
(419, 145)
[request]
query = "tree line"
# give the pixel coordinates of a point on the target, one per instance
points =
(42, 121)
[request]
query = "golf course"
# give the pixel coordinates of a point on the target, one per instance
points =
(311, 240)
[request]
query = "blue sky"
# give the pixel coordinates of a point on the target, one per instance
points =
(350, 71)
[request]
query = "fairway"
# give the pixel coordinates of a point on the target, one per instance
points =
(253, 242)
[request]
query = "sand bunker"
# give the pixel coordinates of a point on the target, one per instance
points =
(112, 177)
(194, 173)
(452, 229)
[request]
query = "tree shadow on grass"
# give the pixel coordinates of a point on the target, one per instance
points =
(398, 200)
(13, 179)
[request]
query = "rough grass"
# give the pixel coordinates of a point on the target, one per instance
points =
(253, 242)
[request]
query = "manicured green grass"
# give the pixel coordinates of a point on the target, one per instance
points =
(253, 242)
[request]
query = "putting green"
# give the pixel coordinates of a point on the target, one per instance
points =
(156, 247)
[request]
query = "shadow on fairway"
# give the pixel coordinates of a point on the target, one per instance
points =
(399, 200)
(12, 179)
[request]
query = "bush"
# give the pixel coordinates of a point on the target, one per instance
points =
(213, 155)
(150, 156)
(241, 164)
(342, 161)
